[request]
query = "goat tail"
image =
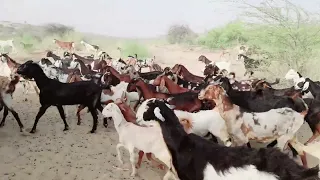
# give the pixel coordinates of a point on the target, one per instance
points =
(311, 173)
(73, 44)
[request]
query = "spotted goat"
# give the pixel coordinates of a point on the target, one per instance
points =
(276, 124)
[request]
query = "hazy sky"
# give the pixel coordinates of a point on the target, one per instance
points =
(126, 18)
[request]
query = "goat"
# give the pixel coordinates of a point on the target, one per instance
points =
(146, 139)
(204, 59)
(90, 47)
(309, 88)
(9, 42)
(130, 116)
(259, 101)
(197, 159)
(200, 123)
(299, 82)
(245, 125)
(203, 122)
(7, 89)
(111, 94)
(55, 93)
(70, 46)
(249, 63)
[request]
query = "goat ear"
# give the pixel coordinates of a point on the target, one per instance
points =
(157, 113)
(305, 86)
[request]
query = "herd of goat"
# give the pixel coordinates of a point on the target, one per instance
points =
(178, 113)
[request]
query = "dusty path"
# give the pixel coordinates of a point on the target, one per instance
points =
(52, 154)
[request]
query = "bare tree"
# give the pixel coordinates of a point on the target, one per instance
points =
(285, 31)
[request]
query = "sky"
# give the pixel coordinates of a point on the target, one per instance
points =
(127, 18)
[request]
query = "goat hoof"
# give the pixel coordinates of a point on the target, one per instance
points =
(137, 166)
(66, 129)
(105, 125)
(132, 174)
(2, 124)
(161, 166)
(25, 99)
(92, 131)
(32, 131)
(79, 123)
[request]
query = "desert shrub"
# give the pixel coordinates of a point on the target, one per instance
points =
(180, 34)
(57, 29)
(226, 36)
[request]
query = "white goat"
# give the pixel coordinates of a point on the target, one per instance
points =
(146, 139)
(203, 122)
(131, 97)
(90, 47)
(199, 123)
(7, 43)
(293, 75)
(4, 68)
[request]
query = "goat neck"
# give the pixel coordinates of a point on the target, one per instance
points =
(41, 80)
(171, 123)
(117, 117)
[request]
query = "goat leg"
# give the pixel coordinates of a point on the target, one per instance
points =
(272, 144)
(16, 116)
(138, 102)
(5, 114)
(42, 110)
(141, 153)
(95, 118)
(105, 120)
(80, 108)
(159, 165)
(315, 134)
(63, 117)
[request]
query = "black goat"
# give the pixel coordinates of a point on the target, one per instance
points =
(259, 101)
(195, 158)
(149, 75)
(55, 93)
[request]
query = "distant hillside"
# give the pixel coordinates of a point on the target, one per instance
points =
(38, 38)
(9, 29)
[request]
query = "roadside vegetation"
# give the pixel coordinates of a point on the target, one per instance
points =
(280, 32)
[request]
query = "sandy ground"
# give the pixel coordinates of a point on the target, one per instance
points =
(52, 154)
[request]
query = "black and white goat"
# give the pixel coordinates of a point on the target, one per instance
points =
(198, 159)
(55, 93)
(309, 88)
